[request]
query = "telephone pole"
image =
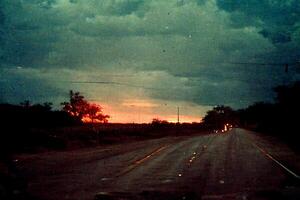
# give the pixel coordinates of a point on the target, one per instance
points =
(178, 114)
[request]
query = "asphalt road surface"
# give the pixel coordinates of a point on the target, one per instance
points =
(231, 165)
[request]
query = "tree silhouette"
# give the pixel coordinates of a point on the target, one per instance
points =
(276, 118)
(288, 96)
(157, 121)
(288, 106)
(261, 116)
(94, 113)
(219, 116)
(25, 104)
(79, 108)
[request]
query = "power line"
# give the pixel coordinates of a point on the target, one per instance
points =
(264, 64)
(117, 83)
(285, 65)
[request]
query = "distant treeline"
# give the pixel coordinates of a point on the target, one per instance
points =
(37, 115)
(280, 118)
(18, 121)
(34, 127)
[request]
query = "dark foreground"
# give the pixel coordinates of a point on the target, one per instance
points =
(231, 165)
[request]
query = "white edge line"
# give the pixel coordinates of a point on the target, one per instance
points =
(276, 161)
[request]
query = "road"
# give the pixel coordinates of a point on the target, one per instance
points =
(231, 165)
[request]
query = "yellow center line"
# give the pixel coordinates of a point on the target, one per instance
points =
(140, 161)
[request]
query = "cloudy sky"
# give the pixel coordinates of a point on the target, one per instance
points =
(141, 59)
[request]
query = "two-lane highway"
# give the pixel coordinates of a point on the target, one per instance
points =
(217, 166)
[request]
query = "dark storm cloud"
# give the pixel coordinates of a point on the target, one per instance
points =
(77, 33)
(270, 12)
(279, 21)
(186, 47)
(236, 86)
(19, 84)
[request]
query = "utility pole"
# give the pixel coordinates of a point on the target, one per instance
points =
(178, 114)
(286, 68)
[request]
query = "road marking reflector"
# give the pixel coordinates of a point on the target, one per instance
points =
(167, 181)
(105, 179)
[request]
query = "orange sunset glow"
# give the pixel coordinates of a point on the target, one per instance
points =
(143, 111)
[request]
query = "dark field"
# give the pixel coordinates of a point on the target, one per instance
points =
(90, 135)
